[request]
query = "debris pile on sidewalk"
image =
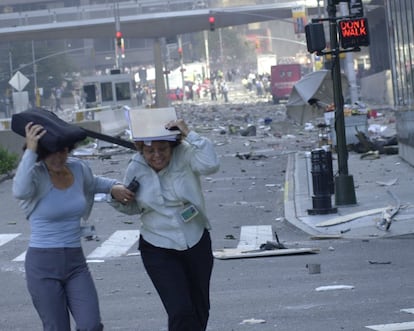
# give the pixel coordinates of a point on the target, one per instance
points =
(381, 136)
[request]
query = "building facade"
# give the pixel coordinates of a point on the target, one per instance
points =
(400, 23)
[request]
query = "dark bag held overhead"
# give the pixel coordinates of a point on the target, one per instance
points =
(60, 134)
(110, 139)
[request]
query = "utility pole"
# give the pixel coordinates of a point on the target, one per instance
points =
(118, 52)
(36, 89)
(221, 48)
(161, 95)
(344, 183)
(207, 54)
(181, 55)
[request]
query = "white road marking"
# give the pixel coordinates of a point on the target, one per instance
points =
(252, 236)
(20, 258)
(395, 326)
(6, 237)
(392, 326)
(116, 245)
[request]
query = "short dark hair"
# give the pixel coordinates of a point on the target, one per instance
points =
(43, 153)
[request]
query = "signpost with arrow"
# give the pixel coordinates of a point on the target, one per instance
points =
(20, 98)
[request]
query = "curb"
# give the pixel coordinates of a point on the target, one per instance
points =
(289, 197)
(5, 177)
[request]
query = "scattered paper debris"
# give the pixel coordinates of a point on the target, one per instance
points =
(253, 321)
(100, 197)
(334, 287)
(134, 254)
(95, 261)
(309, 127)
(388, 183)
(378, 262)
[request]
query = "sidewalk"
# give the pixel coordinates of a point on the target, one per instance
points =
(372, 179)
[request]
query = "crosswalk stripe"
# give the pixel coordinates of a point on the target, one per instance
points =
(116, 245)
(20, 258)
(392, 326)
(252, 236)
(6, 237)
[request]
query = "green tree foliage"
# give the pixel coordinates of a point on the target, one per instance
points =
(50, 71)
(8, 161)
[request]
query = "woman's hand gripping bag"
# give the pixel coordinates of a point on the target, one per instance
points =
(59, 135)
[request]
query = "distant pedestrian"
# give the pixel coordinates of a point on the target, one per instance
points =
(225, 91)
(140, 95)
(213, 91)
(190, 92)
(259, 88)
(177, 94)
(77, 98)
(52, 100)
(58, 97)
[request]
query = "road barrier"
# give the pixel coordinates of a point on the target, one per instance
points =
(112, 119)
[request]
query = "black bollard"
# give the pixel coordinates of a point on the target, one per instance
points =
(323, 182)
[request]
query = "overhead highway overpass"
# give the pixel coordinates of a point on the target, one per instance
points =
(76, 23)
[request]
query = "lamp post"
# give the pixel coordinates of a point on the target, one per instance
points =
(344, 183)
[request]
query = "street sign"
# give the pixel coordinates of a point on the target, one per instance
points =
(353, 32)
(356, 8)
(19, 81)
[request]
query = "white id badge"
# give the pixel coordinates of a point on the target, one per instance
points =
(188, 213)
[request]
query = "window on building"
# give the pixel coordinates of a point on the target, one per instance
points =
(123, 91)
(106, 90)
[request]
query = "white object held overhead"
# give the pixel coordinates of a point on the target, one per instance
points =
(149, 123)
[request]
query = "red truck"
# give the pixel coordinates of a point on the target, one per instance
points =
(282, 78)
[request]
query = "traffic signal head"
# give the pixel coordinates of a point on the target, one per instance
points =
(118, 36)
(212, 21)
(315, 37)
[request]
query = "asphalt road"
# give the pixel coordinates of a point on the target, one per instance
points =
(271, 293)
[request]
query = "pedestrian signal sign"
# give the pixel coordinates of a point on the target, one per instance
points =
(353, 32)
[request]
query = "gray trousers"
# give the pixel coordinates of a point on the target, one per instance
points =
(59, 282)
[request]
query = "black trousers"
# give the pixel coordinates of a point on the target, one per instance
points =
(182, 280)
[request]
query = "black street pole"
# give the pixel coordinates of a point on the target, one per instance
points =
(344, 183)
